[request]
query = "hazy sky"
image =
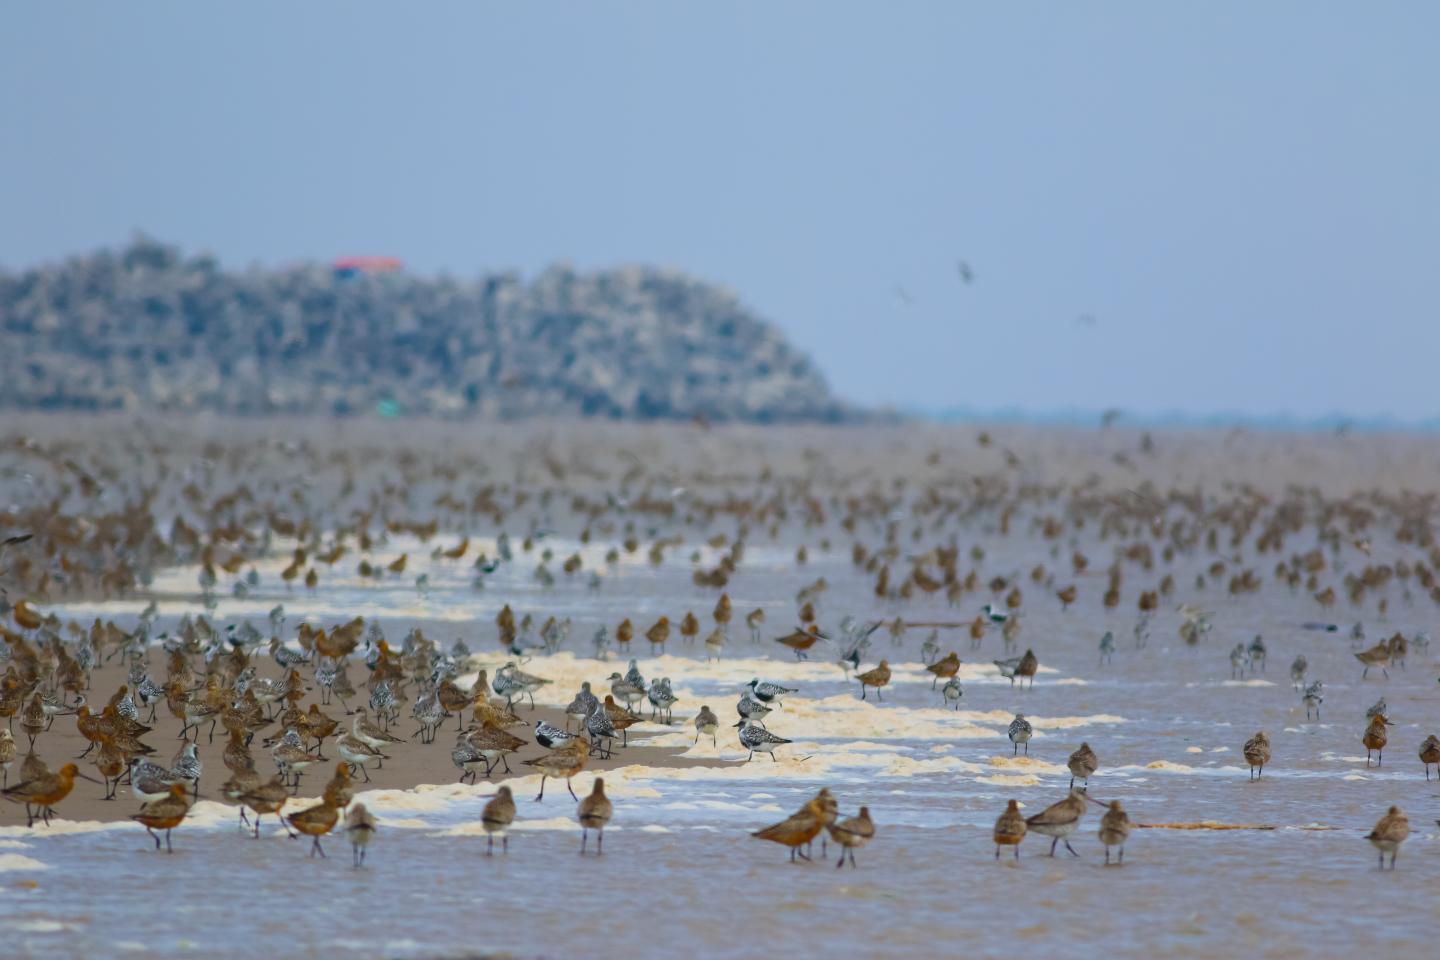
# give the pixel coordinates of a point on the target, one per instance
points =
(1245, 197)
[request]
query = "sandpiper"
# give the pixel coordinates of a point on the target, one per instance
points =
(1376, 656)
(1298, 668)
(1314, 696)
(952, 691)
(594, 813)
(1257, 754)
(1009, 829)
(1389, 833)
(267, 798)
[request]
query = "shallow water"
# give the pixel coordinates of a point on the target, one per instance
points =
(679, 869)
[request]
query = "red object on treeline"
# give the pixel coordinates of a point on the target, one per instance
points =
(350, 266)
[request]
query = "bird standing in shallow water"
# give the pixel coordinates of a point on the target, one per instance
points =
(851, 834)
(1375, 738)
(1314, 696)
(877, 678)
(360, 828)
(164, 814)
(594, 813)
(1020, 732)
(1257, 754)
(1114, 830)
(1082, 764)
(1059, 820)
(496, 818)
(1430, 753)
(1389, 833)
(1010, 829)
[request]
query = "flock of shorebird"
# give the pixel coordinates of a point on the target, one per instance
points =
(96, 535)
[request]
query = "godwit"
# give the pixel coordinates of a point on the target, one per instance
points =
(1257, 754)
(164, 814)
(496, 818)
(1114, 830)
(1375, 738)
(877, 678)
(563, 763)
(851, 834)
(1059, 820)
(1082, 764)
(796, 830)
(944, 668)
(45, 791)
(1430, 753)
(1009, 829)
(315, 822)
(594, 813)
(360, 828)
(1389, 833)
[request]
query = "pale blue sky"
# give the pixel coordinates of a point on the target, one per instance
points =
(1244, 196)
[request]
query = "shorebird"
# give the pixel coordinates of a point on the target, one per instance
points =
(358, 753)
(767, 692)
(44, 791)
(360, 828)
(755, 737)
(339, 791)
(601, 730)
(496, 818)
(1257, 754)
(1378, 708)
(267, 798)
(1237, 661)
(661, 700)
(1389, 833)
(291, 757)
(1257, 652)
(707, 724)
(315, 822)
(751, 709)
(563, 763)
(1114, 830)
(1107, 647)
(624, 690)
(945, 668)
(1059, 820)
(7, 755)
(594, 813)
(552, 737)
(165, 813)
(1430, 753)
(1376, 656)
(796, 830)
(1082, 764)
(1009, 829)
(370, 733)
(801, 640)
(1375, 738)
(186, 768)
(1314, 696)
(581, 706)
(952, 691)
(851, 834)
(1019, 732)
(1298, 667)
(877, 678)
(994, 614)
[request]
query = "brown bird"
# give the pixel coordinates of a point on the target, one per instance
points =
(800, 641)
(1082, 764)
(45, 791)
(1389, 833)
(594, 813)
(796, 830)
(315, 822)
(1375, 738)
(164, 814)
(496, 819)
(1114, 830)
(267, 798)
(851, 834)
(1257, 754)
(1010, 829)
(877, 678)
(1067, 596)
(564, 762)
(1376, 656)
(1430, 753)
(360, 828)
(658, 633)
(944, 668)
(1059, 820)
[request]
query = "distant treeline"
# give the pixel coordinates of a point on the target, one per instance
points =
(144, 328)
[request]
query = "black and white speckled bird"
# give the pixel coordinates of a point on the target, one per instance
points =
(602, 731)
(1313, 697)
(552, 737)
(754, 737)
(581, 706)
(661, 699)
(186, 768)
(751, 709)
(768, 692)
(1020, 732)
(633, 676)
